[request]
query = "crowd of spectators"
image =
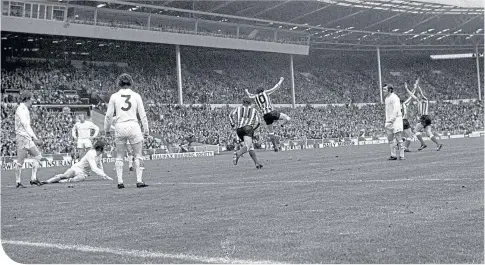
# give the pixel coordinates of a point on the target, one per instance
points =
(220, 77)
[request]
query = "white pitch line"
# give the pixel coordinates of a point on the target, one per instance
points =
(289, 182)
(138, 253)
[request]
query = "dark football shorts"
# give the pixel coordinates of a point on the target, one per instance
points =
(245, 131)
(425, 120)
(405, 124)
(271, 117)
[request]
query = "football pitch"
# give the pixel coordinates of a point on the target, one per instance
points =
(333, 205)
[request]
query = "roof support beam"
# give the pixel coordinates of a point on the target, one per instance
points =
(353, 14)
(342, 18)
(271, 8)
(466, 22)
(311, 12)
(382, 21)
(226, 3)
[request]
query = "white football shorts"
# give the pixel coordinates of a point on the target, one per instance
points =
(129, 131)
(84, 143)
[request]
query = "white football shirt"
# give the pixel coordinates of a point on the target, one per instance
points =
(83, 130)
(127, 104)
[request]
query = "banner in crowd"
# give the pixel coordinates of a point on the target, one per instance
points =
(316, 143)
(7, 163)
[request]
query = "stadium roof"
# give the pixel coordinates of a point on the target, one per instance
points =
(338, 24)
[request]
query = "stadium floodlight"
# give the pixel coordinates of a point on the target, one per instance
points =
(101, 5)
(455, 56)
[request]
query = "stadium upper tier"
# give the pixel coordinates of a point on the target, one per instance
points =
(328, 23)
(220, 77)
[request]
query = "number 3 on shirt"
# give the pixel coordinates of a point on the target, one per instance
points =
(127, 101)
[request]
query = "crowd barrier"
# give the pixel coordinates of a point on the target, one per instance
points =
(7, 163)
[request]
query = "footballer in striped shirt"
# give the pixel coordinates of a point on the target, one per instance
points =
(263, 101)
(424, 120)
(245, 120)
(407, 133)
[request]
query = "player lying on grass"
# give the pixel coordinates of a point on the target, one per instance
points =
(263, 101)
(78, 172)
(247, 122)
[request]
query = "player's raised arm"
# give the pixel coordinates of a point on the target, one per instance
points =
(74, 130)
(109, 114)
(411, 94)
(25, 121)
(249, 94)
(408, 100)
(273, 89)
(143, 115)
(96, 130)
(421, 93)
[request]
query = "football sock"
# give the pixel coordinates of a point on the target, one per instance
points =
(392, 146)
(18, 172)
(252, 153)
(138, 170)
(119, 170)
(433, 138)
(420, 138)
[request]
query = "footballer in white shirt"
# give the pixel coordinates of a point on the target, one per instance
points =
(394, 122)
(26, 140)
(82, 133)
(92, 160)
(128, 106)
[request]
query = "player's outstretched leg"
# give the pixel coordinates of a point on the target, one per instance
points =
(60, 177)
(56, 179)
(284, 118)
(239, 154)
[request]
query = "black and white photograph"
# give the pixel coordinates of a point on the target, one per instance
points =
(248, 132)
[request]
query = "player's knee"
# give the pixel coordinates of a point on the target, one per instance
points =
(36, 162)
(18, 166)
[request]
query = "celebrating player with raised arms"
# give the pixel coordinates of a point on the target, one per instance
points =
(424, 120)
(92, 160)
(407, 132)
(394, 122)
(245, 120)
(128, 105)
(270, 115)
(26, 140)
(82, 132)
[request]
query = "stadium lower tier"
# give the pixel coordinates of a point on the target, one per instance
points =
(175, 126)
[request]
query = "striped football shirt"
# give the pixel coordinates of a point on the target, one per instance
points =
(244, 116)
